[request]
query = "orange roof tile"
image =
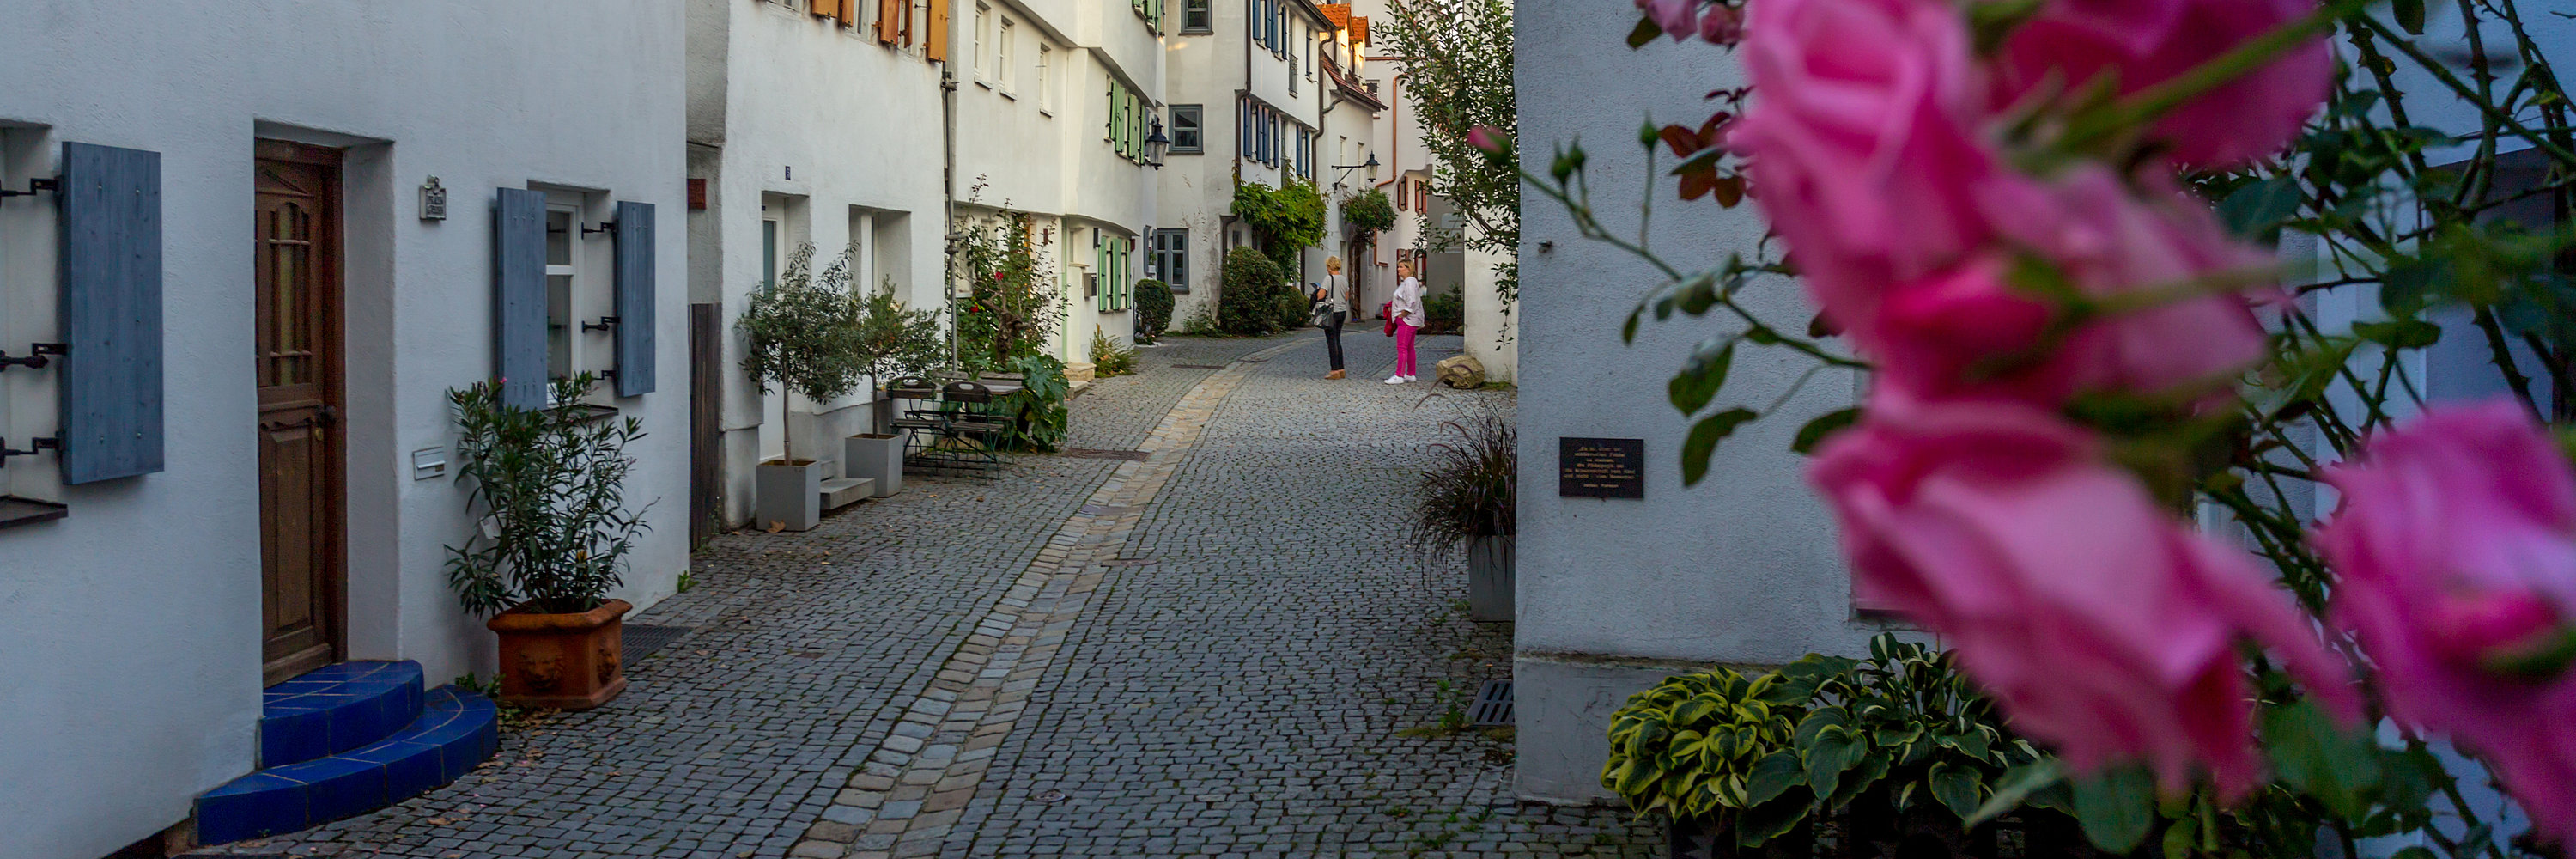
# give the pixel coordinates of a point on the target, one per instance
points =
(1340, 13)
(1359, 29)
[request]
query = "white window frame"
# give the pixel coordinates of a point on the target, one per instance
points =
(1046, 81)
(983, 64)
(1006, 33)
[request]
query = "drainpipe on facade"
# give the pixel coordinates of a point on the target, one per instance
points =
(948, 196)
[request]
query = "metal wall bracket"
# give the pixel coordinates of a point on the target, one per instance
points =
(33, 186)
(35, 358)
(51, 442)
(605, 323)
(604, 227)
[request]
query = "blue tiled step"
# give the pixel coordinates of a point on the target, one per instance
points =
(455, 731)
(336, 708)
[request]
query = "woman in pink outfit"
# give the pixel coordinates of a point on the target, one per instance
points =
(1407, 308)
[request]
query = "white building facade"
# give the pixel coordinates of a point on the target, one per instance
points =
(812, 123)
(271, 250)
(1248, 88)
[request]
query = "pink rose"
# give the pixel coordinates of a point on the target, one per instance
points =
(2455, 555)
(2115, 241)
(1862, 141)
(2142, 43)
(1489, 139)
(2103, 626)
(1677, 17)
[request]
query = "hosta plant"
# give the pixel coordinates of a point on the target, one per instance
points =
(1688, 748)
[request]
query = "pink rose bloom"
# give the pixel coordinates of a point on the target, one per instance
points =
(2103, 626)
(2142, 43)
(1862, 141)
(2455, 556)
(1488, 139)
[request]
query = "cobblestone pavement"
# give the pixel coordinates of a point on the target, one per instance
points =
(1211, 650)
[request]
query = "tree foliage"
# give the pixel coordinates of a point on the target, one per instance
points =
(1009, 306)
(1248, 300)
(1289, 218)
(802, 333)
(1462, 79)
(1368, 212)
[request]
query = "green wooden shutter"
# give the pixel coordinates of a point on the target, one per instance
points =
(111, 313)
(634, 299)
(519, 296)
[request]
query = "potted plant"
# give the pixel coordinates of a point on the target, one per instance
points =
(1466, 500)
(801, 334)
(890, 340)
(553, 538)
(1693, 749)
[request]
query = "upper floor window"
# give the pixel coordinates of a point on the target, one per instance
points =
(1186, 136)
(1046, 59)
(983, 58)
(1196, 17)
(1002, 40)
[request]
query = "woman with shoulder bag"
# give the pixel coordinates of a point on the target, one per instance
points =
(1330, 311)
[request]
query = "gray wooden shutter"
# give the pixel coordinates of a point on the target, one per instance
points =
(519, 299)
(111, 312)
(634, 299)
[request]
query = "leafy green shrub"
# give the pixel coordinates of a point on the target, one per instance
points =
(1692, 745)
(551, 486)
(1010, 307)
(1288, 219)
(1202, 321)
(892, 340)
(1108, 358)
(1878, 740)
(1153, 309)
(1295, 309)
(1248, 301)
(1038, 406)
(1445, 313)
(1368, 211)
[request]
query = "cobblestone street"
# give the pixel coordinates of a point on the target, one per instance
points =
(1195, 633)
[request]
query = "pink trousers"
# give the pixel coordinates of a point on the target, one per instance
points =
(1404, 350)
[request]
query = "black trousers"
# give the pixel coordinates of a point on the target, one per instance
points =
(1333, 338)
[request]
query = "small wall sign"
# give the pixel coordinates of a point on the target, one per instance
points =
(1601, 467)
(433, 201)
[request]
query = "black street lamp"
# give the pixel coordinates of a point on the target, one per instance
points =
(1346, 169)
(1156, 144)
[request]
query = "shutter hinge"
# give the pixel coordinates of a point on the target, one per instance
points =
(604, 227)
(35, 358)
(51, 442)
(605, 323)
(33, 186)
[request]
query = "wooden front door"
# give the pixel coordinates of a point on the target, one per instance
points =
(300, 499)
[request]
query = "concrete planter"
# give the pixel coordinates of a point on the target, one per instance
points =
(1489, 578)
(875, 456)
(568, 661)
(790, 495)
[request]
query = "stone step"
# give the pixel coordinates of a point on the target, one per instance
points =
(336, 708)
(455, 731)
(844, 491)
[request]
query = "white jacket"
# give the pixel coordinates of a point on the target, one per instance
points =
(1408, 301)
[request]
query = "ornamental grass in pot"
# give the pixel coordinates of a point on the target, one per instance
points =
(551, 542)
(1466, 500)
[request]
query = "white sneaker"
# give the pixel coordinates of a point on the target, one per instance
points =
(1413, 378)
(1395, 380)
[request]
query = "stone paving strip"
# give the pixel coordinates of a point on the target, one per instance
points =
(913, 788)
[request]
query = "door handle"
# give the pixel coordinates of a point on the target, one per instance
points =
(326, 416)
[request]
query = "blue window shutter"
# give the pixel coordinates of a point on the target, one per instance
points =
(634, 299)
(519, 296)
(111, 312)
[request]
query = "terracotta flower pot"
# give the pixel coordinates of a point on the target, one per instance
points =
(565, 661)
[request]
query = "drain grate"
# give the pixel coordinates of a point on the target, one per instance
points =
(1493, 705)
(1097, 453)
(636, 641)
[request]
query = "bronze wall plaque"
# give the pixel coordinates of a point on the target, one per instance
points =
(1601, 467)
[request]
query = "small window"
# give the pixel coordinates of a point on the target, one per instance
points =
(1002, 54)
(1186, 139)
(1196, 17)
(563, 228)
(1046, 57)
(1172, 258)
(983, 62)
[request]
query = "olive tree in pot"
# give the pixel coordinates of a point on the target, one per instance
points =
(552, 541)
(891, 341)
(1466, 500)
(801, 334)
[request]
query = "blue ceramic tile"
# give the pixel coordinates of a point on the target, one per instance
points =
(352, 787)
(291, 739)
(249, 807)
(410, 768)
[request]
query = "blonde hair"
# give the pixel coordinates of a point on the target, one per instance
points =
(1333, 264)
(1404, 269)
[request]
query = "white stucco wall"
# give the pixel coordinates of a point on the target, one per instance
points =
(1613, 594)
(130, 632)
(1197, 191)
(839, 135)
